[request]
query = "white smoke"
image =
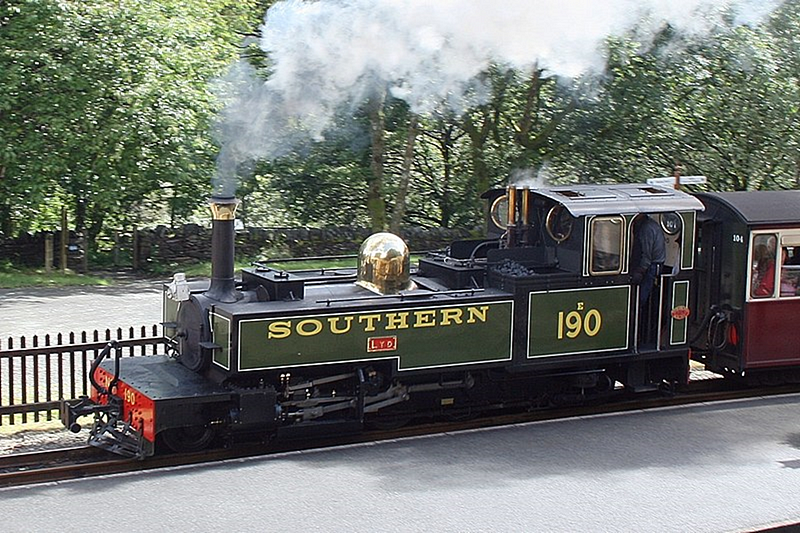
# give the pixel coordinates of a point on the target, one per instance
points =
(330, 55)
(530, 178)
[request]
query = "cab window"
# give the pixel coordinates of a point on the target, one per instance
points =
(605, 245)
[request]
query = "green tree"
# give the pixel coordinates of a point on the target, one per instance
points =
(725, 106)
(108, 101)
(624, 131)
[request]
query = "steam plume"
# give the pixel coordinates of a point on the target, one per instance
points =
(329, 55)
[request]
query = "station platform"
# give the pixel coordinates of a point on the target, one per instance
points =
(722, 467)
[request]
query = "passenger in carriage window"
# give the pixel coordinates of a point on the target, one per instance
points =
(788, 287)
(789, 274)
(794, 257)
(759, 267)
(764, 268)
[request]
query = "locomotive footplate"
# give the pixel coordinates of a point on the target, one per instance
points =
(156, 394)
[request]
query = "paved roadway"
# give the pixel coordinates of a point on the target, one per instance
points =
(707, 468)
(40, 311)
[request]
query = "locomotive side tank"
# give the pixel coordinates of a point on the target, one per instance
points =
(541, 311)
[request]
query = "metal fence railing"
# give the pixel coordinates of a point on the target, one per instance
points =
(37, 373)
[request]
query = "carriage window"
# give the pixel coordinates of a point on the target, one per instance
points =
(762, 265)
(606, 245)
(790, 271)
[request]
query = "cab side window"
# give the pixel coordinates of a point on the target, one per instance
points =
(605, 254)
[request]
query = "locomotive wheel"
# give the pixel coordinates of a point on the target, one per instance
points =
(187, 439)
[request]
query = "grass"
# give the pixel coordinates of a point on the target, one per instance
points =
(12, 277)
(200, 270)
(325, 263)
(16, 277)
(313, 264)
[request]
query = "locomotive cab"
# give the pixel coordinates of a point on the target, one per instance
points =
(567, 254)
(746, 300)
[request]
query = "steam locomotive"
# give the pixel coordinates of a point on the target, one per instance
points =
(541, 311)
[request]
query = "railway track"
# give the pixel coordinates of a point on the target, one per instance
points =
(73, 463)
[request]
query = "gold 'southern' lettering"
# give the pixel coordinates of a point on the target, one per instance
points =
(477, 314)
(304, 331)
(451, 315)
(335, 329)
(425, 319)
(396, 320)
(370, 320)
(279, 329)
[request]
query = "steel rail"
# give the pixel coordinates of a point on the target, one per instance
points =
(73, 463)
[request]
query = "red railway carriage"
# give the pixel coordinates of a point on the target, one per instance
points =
(746, 311)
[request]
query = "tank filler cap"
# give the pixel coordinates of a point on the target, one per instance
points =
(178, 288)
(384, 264)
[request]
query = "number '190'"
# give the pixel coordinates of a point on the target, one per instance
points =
(573, 323)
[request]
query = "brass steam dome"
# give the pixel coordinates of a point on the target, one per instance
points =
(384, 265)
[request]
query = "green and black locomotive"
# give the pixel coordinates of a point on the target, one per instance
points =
(541, 311)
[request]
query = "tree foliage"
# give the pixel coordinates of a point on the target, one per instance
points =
(725, 106)
(106, 103)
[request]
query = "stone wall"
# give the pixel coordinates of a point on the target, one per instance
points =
(29, 250)
(192, 243)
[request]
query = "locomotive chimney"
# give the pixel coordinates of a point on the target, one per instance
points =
(223, 284)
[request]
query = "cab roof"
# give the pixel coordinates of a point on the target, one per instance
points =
(629, 198)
